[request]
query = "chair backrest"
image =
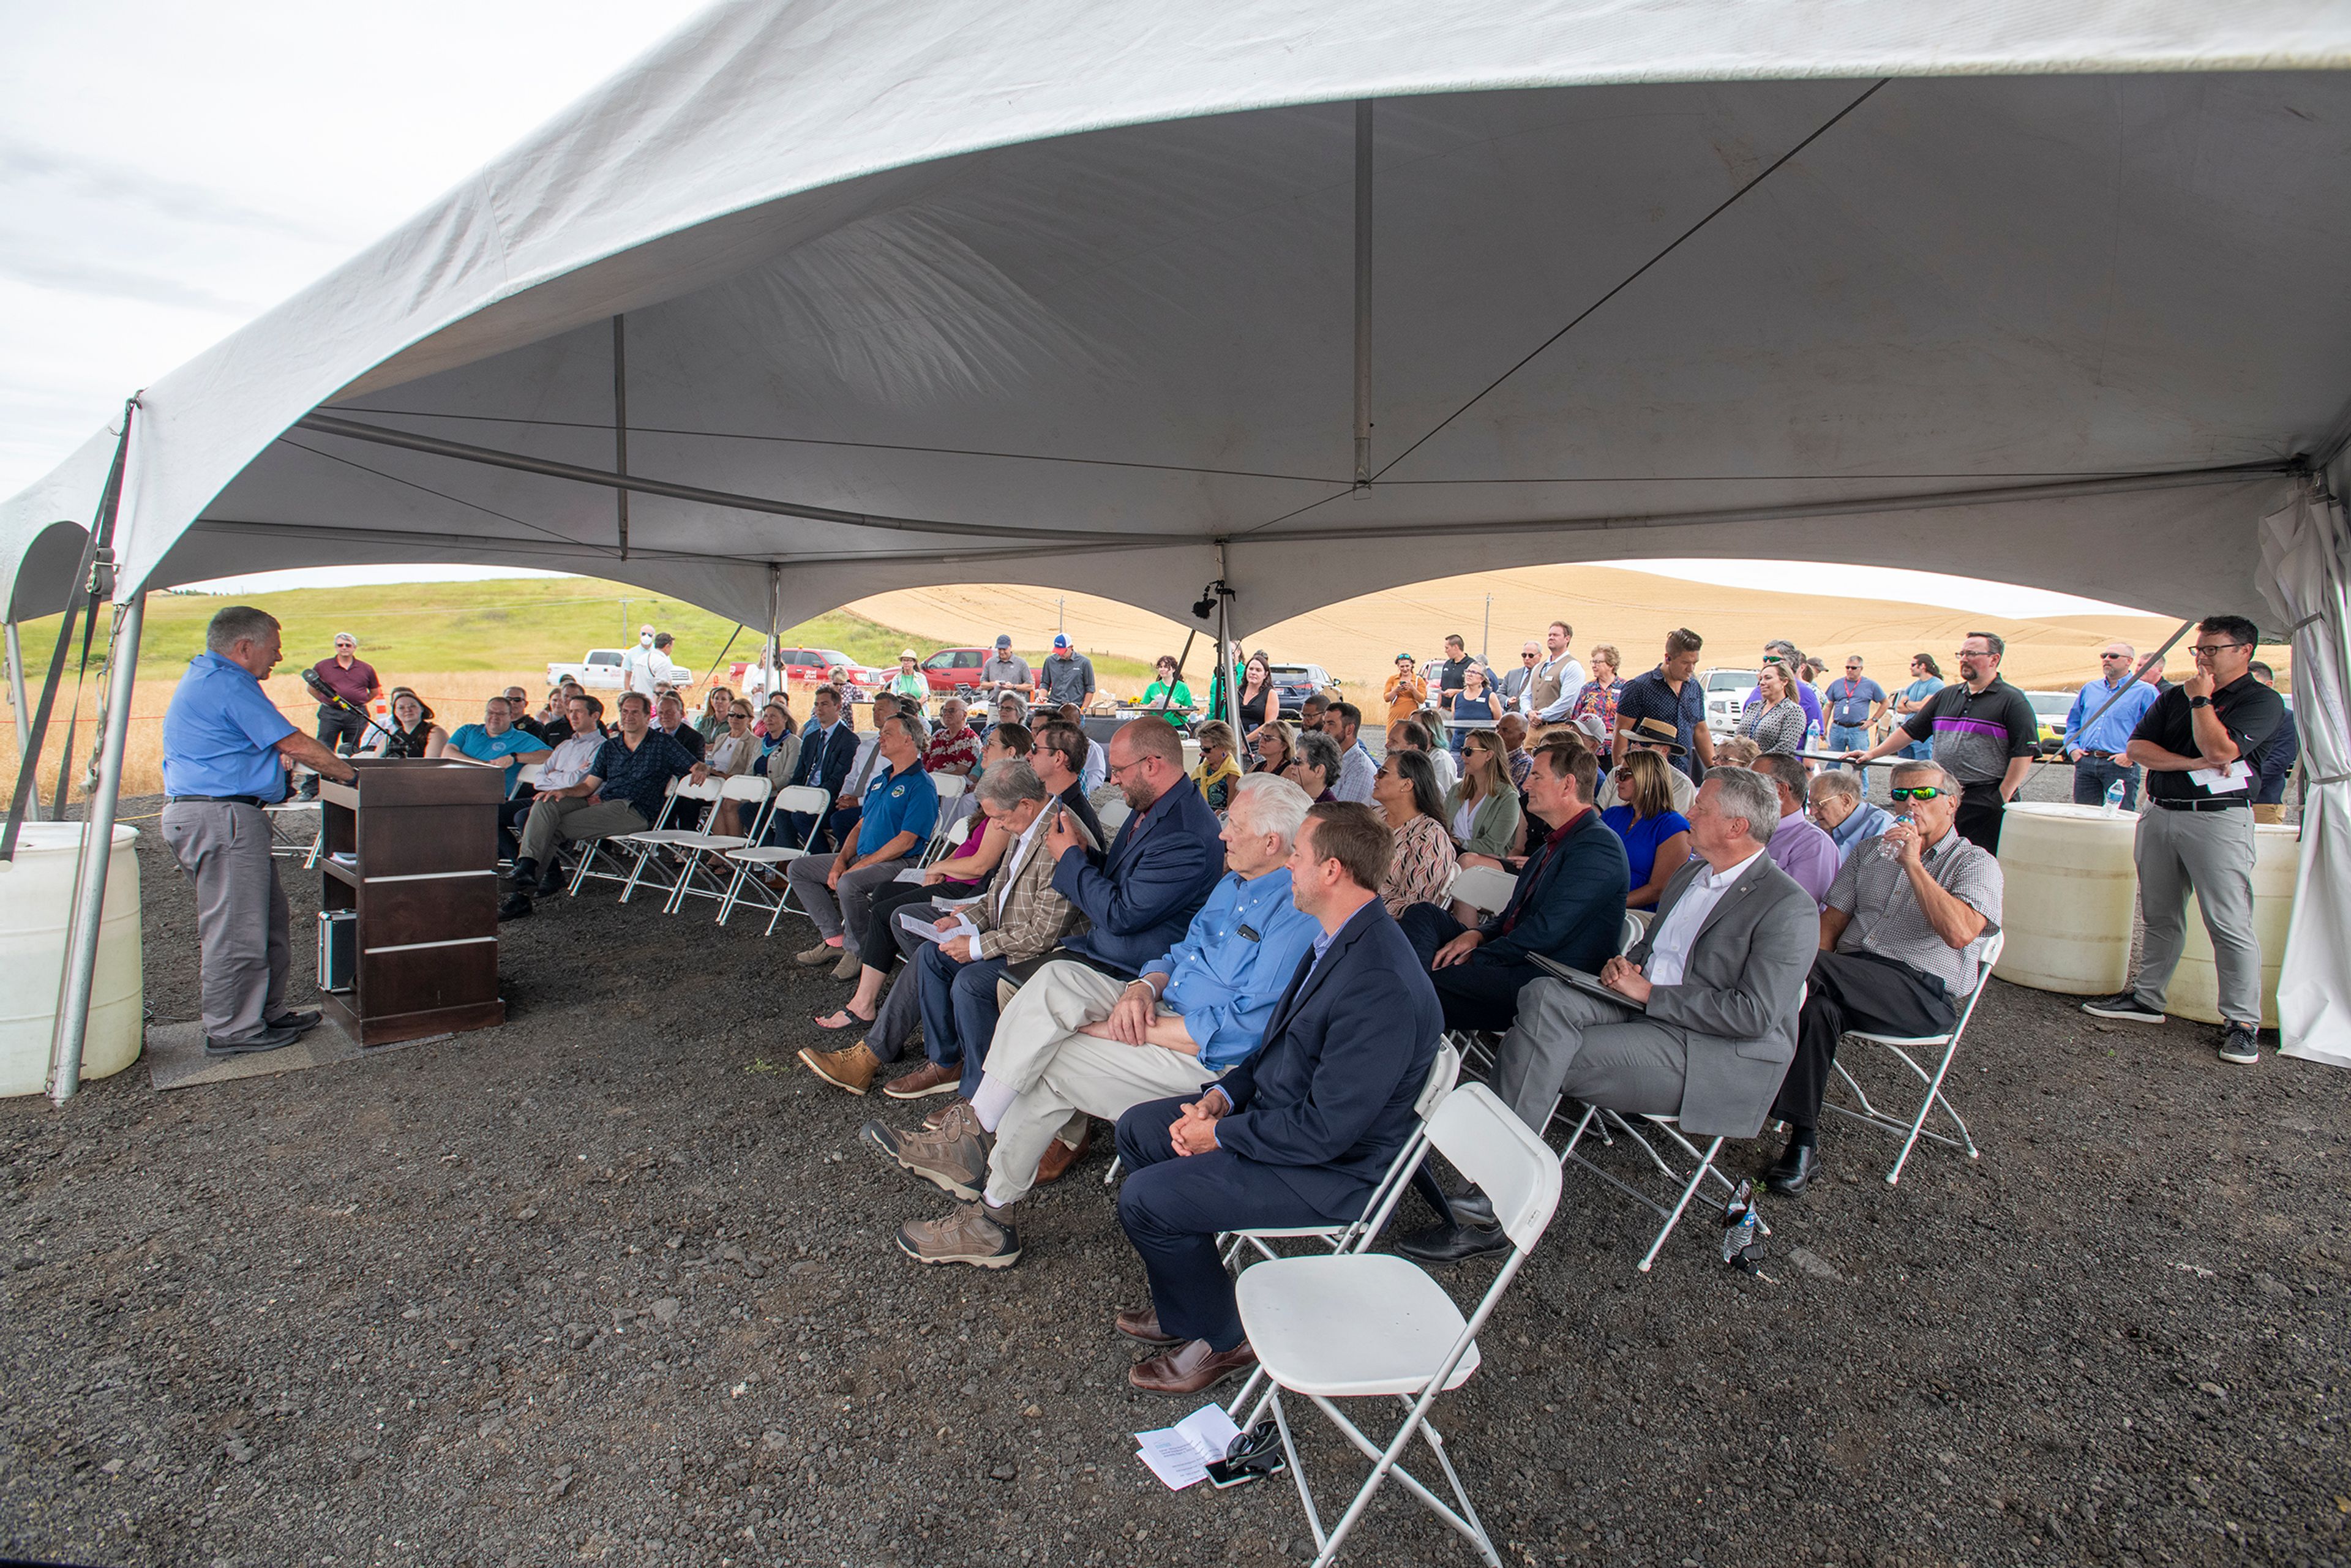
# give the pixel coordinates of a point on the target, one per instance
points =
(744, 787)
(1487, 1144)
(711, 789)
(1484, 887)
(959, 833)
(1443, 1074)
(949, 785)
(528, 773)
(807, 800)
(1114, 816)
(1631, 935)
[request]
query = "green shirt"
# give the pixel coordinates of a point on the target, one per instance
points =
(1158, 689)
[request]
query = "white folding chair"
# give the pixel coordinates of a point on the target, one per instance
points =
(1915, 1128)
(753, 861)
(601, 858)
(1484, 888)
(286, 839)
(1668, 1131)
(648, 844)
(527, 773)
(1636, 925)
(1360, 1232)
(1114, 816)
(950, 787)
(704, 852)
(1363, 1325)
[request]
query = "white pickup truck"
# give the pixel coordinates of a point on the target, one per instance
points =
(601, 671)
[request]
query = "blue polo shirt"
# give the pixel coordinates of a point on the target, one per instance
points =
(477, 742)
(898, 803)
(221, 734)
(1235, 961)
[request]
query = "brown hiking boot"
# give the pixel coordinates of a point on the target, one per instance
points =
(852, 1069)
(926, 1081)
(1059, 1156)
(966, 1236)
(954, 1158)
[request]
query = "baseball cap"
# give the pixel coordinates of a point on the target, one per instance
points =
(1003, 640)
(1061, 639)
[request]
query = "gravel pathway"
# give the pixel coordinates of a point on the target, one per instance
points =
(614, 1284)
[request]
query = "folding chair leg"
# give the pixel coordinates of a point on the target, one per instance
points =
(1383, 1465)
(1926, 1108)
(1705, 1164)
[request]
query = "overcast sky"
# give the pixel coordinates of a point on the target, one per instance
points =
(170, 169)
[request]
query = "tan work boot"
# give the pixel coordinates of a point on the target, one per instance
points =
(1059, 1156)
(966, 1236)
(822, 953)
(954, 1159)
(852, 1069)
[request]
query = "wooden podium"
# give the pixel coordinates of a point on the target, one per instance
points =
(411, 850)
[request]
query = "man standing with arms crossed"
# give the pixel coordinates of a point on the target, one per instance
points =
(2198, 832)
(1985, 734)
(226, 748)
(1669, 693)
(352, 679)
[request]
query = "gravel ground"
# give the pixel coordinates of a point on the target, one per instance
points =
(614, 1284)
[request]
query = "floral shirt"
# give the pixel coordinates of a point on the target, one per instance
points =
(1597, 698)
(1422, 868)
(960, 749)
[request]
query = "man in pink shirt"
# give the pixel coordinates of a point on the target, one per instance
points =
(1798, 845)
(352, 678)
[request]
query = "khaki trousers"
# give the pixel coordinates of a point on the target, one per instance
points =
(553, 821)
(1059, 1075)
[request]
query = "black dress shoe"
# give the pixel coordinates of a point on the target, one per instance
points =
(1443, 1244)
(1473, 1208)
(524, 873)
(268, 1040)
(550, 882)
(302, 1022)
(517, 906)
(1797, 1165)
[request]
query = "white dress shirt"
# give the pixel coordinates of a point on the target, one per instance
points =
(1669, 948)
(1568, 671)
(570, 762)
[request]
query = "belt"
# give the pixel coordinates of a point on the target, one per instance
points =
(2202, 805)
(222, 799)
(2097, 756)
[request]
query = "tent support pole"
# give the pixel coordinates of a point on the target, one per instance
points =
(1363, 294)
(97, 857)
(768, 666)
(1227, 646)
(23, 707)
(621, 428)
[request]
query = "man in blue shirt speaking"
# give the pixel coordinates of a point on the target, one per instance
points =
(225, 749)
(1076, 1043)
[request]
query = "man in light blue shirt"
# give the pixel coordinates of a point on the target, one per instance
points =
(226, 750)
(1076, 1043)
(2096, 750)
(497, 740)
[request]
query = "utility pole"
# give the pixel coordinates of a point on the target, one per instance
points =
(1061, 615)
(1486, 636)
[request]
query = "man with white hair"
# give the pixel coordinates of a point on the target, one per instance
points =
(1075, 1043)
(1513, 684)
(1837, 807)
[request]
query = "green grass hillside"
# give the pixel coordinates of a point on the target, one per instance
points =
(509, 623)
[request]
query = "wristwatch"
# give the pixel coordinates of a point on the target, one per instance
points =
(2200, 702)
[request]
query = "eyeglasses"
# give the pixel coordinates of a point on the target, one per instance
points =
(1922, 792)
(1118, 768)
(2214, 650)
(1973, 654)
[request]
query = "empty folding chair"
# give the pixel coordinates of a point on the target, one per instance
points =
(950, 787)
(753, 861)
(1483, 888)
(287, 839)
(704, 870)
(1915, 1128)
(606, 860)
(1370, 1324)
(650, 844)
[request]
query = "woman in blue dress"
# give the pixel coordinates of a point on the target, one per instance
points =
(1656, 837)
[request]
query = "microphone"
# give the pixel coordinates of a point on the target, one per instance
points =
(330, 697)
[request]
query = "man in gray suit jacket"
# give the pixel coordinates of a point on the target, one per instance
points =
(1720, 974)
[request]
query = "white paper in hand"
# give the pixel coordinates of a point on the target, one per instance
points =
(1179, 1455)
(2223, 780)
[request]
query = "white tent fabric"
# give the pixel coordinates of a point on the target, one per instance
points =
(2306, 573)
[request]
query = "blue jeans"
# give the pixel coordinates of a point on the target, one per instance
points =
(1850, 738)
(2093, 775)
(958, 1003)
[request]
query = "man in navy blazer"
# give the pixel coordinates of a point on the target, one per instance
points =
(1301, 1133)
(1568, 904)
(1141, 894)
(827, 753)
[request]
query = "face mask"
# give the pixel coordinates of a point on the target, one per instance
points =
(644, 639)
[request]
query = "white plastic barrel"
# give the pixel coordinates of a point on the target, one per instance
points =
(2195, 988)
(2069, 888)
(35, 899)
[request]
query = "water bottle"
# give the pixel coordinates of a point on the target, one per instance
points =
(1888, 850)
(2114, 792)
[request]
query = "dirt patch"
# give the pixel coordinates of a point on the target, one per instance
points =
(614, 1283)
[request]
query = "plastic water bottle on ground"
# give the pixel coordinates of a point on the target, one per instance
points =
(2114, 792)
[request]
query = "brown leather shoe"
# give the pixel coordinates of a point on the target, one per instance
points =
(1059, 1156)
(1190, 1367)
(852, 1069)
(924, 1082)
(1143, 1323)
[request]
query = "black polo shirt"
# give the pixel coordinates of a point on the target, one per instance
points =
(1975, 735)
(2251, 712)
(1450, 674)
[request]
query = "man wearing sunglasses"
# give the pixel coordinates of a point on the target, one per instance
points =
(2098, 728)
(1514, 684)
(1902, 939)
(2195, 743)
(1985, 736)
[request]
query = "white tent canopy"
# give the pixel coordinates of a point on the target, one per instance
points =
(1096, 296)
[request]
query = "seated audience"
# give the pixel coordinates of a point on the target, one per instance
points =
(1843, 814)
(1075, 1044)
(496, 741)
(1274, 746)
(954, 745)
(1512, 728)
(1342, 722)
(1217, 770)
(1011, 707)
(1059, 759)
(1737, 752)
(622, 792)
(899, 809)
(779, 744)
(1709, 1017)
(1096, 771)
(669, 719)
(1311, 712)
(1315, 769)
(1901, 941)
(411, 732)
(548, 723)
(734, 755)
(1655, 736)
(827, 752)
(1799, 848)
(716, 704)
(1299, 1133)
(1411, 735)
(1422, 866)
(1482, 810)
(1656, 837)
(1568, 904)
(571, 761)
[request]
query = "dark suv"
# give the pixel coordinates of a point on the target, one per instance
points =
(1295, 683)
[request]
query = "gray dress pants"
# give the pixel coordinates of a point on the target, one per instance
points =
(1566, 1042)
(243, 924)
(839, 911)
(2213, 852)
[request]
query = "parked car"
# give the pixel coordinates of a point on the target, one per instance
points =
(1295, 683)
(1726, 694)
(808, 666)
(2051, 708)
(954, 669)
(600, 670)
